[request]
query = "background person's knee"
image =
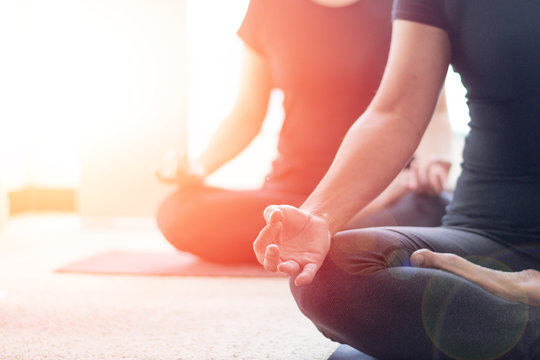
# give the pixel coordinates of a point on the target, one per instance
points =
(172, 220)
(165, 216)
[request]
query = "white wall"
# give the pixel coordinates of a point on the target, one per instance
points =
(137, 106)
(92, 93)
(215, 60)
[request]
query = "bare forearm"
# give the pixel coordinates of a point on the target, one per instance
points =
(373, 152)
(296, 241)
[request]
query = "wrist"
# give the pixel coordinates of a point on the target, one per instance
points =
(324, 217)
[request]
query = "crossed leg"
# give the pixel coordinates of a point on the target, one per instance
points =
(368, 296)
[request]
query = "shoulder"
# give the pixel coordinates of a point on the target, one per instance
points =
(267, 5)
(429, 12)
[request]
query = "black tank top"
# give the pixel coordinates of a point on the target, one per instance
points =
(496, 50)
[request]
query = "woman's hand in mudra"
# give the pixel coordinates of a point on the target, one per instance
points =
(293, 242)
(522, 286)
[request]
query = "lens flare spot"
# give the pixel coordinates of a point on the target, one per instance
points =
(452, 318)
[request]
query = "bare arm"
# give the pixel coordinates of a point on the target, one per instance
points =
(428, 173)
(375, 149)
(234, 133)
(385, 137)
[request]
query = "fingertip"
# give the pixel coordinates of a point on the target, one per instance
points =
(289, 267)
(302, 279)
(265, 237)
(266, 212)
(276, 215)
(307, 275)
(272, 249)
(273, 214)
(271, 258)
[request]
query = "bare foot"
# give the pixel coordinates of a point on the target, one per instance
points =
(522, 286)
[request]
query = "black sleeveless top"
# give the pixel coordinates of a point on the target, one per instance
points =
(496, 50)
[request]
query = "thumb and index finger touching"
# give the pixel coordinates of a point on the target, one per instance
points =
(266, 243)
(267, 249)
(273, 214)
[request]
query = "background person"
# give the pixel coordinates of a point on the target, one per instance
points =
(327, 56)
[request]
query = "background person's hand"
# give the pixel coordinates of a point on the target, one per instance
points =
(293, 242)
(428, 177)
(522, 286)
(176, 169)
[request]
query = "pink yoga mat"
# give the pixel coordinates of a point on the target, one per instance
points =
(159, 264)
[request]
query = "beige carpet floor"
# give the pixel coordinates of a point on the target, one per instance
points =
(46, 315)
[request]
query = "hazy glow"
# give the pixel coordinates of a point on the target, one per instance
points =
(442, 303)
(214, 62)
(37, 92)
(68, 67)
(456, 102)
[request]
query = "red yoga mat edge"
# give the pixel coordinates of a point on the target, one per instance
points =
(150, 263)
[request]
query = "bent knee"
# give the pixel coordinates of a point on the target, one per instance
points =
(313, 300)
(166, 215)
(326, 301)
(173, 220)
(366, 251)
(352, 253)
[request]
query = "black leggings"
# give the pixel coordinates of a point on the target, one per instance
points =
(368, 296)
(220, 225)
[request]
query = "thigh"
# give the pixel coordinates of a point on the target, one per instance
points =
(368, 296)
(414, 313)
(374, 249)
(223, 206)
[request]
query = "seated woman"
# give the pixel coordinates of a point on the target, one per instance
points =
(328, 57)
(358, 286)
